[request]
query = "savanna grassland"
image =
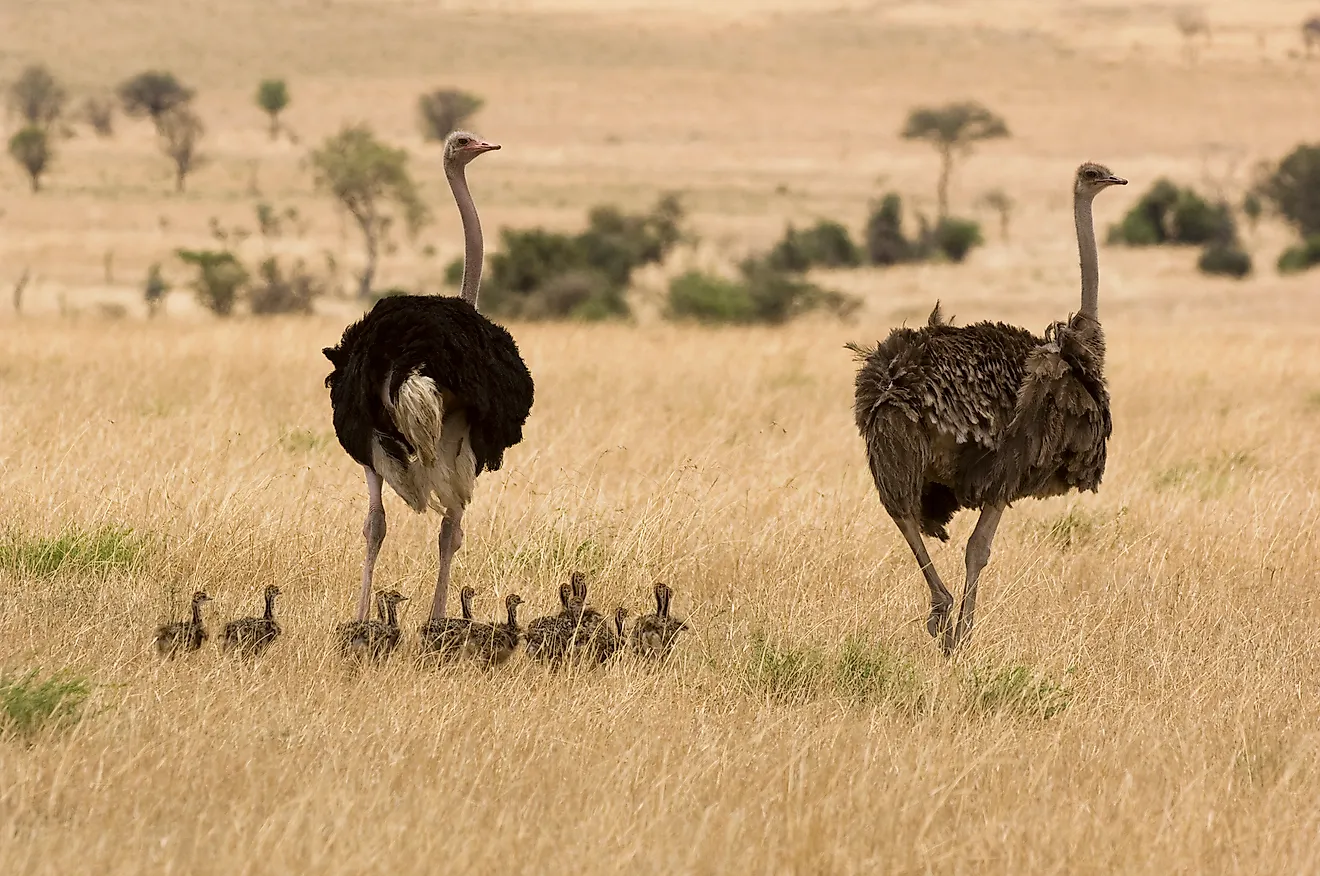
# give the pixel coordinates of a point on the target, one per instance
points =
(1140, 694)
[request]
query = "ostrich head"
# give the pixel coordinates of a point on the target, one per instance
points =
(272, 590)
(461, 147)
(512, 601)
(1093, 178)
(392, 597)
(200, 598)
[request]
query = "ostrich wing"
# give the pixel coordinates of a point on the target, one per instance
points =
(1056, 439)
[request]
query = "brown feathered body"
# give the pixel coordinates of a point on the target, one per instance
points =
(966, 416)
(493, 644)
(373, 639)
(444, 640)
(178, 637)
(549, 638)
(653, 635)
(250, 636)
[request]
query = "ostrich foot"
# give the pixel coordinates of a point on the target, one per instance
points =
(940, 625)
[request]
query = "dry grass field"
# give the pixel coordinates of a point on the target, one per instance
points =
(1141, 694)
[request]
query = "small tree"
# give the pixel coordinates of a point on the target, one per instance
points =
(31, 148)
(366, 176)
(155, 289)
(37, 97)
(952, 129)
(1002, 203)
(273, 97)
(445, 110)
(220, 278)
(180, 133)
(99, 112)
(153, 93)
(1293, 189)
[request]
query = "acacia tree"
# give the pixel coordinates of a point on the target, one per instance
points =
(37, 97)
(952, 129)
(153, 93)
(444, 111)
(180, 132)
(31, 148)
(273, 98)
(370, 180)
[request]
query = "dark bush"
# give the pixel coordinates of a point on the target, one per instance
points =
(1293, 188)
(1302, 257)
(1227, 259)
(539, 274)
(155, 289)
(153, 94)
(99, 112)
(1167, 214)
(445, 110)
(33, 149)
(220, 278)
(709, 299)
(827, 244)
(37, 97)
(284, 291)
(885, 242)
(955, 237)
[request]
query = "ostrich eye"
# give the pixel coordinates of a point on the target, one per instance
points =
(1092, 174)
(462, 141)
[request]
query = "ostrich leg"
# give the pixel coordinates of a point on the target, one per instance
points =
(373, 530)
(451, 539)
(978, 554)
(939, 624)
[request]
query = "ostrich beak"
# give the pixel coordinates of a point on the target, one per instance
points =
(482, 146)
(1116, 181)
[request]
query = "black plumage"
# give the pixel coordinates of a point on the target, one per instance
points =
(475, 362)
(980, 416)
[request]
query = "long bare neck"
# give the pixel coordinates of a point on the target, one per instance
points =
(197, 614)
(513, 616)
(472, 244)
(391, 613)
(1089, 258)
(465, 600)
(270, 607)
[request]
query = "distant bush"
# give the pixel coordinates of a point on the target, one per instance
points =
(827, 244)
(33, 149)
(153, 94)
(1169, 214)
(220, 278)
(1293, 189)
(273, 99)
(885, 242)
(284, 290)
(445, 110)
(766, 294)
(99, 113)
(180, 134)
(37, 98)
(1228, 259)
(955, 237)
(540, 274)
(1301, 257)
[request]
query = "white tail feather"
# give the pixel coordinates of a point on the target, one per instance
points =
(419, 413)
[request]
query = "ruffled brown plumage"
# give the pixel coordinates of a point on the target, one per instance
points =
(179, 637)
(653, 635)
(251, 636)
(373, 639)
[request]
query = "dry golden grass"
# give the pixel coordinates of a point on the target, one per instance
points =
(1160, 634)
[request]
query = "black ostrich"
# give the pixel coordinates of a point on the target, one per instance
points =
(982, 415)
(427, 394)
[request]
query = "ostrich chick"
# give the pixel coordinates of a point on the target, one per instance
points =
(444, 639)
(493, 644)
(179, 636)
(549, 638)
(653, 635)
(250, 636)
(373, 639)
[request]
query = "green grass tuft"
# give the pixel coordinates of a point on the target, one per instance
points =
(869, 674)
(1017, 689)
(28, 706)
(789, 675)
(105, 549)
(305, 441)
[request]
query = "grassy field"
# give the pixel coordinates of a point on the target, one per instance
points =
(1141, 692)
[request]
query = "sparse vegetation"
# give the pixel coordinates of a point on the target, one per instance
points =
(99, 113)
(73, 551)
(827, 244)
(1002, 204)
(886, 244)
(220, 278)
(1225, 258)
(1292, 189)
(155, 289)
(1170, 214)
(180, 134)
(32, 149)
(445, 110)
(37, 98)
(952, 129)
(273, 99)
(368, 178)
(1302, 257)
(153, 94)
(30, 704)
(1019, 690)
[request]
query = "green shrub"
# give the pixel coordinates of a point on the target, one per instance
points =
(1168, 214)
(1294, 189)
(1302, 257)
(281, 290)
(29, 705)
(1196, 220)
(785, 674)
(153, 94)
(77, 551)
(33, 149)
(826, 244)
(709, 299)
(955, 237)
(885, 242)
(155, 289)
(869, 674)
(1228, 259)
(220, 278)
